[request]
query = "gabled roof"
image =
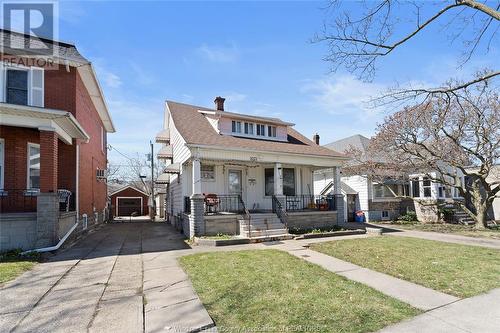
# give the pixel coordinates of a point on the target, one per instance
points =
(126, 187)
(357, 141)
(194, 127)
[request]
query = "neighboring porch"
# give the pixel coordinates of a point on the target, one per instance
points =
(38, 175)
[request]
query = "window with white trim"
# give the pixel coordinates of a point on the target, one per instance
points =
(249, 128)
(261, 130)
(271, 131)
(2, 168)
(22, 85)
(426, 185)
(385, 191)
(236, 126)
(207, 172)
(33, 166)
(385, 215)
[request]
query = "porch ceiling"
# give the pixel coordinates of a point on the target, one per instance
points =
(62, 122)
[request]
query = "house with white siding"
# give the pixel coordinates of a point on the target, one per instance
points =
(243, 174)
(389, 199)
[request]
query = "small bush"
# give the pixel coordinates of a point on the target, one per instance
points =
(301, 231)
(15, 255)
(409, 217)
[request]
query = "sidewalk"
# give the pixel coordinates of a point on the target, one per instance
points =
(418, 296)
(476, 314)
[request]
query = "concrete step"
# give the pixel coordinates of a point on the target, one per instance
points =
(4, 217)
(263, 226)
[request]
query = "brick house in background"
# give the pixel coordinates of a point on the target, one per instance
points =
(53, 135)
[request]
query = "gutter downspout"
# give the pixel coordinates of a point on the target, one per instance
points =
(55, 247)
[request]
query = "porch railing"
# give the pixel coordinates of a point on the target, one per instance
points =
(279, 211)
(306, 202)
(25, 200)
(219, 204)
(18, 200)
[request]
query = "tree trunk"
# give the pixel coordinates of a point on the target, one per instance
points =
(481, 218)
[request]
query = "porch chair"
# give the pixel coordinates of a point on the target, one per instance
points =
(211, 201)
(64, 196)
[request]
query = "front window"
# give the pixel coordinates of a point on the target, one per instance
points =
(17, 87)
(426, 185)
(385, 191)
(288, 181)
(415, 188)
(33, 166)
(269, 181)
(207, 172)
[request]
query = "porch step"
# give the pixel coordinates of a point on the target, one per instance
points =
(263, 225)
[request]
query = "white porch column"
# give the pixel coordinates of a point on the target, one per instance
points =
(336, 180)
(339, 198)
(196, 176)
(278, 179)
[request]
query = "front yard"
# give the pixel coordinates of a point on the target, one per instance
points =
(249, 291)
(454, 269)
(447, 228)
(12, 265)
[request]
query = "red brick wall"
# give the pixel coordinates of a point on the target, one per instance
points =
(130, 192)
(92, 193)
(48, 161)
(60, 89)
(16, 154)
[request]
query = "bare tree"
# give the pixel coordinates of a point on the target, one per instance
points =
(358, 37)
(443, 138)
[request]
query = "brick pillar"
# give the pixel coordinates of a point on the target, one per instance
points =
(48, 161)
(47, 220)
(197, 217)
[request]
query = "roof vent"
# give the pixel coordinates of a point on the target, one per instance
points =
(316, 138)
(219, 103)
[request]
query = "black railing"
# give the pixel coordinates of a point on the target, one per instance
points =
(18, 200)
(223, 203)
(279, 211)
(309, 202)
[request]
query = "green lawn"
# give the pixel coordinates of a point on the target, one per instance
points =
(12, 265)
(247, 291)
(454, 269)
(447, 228)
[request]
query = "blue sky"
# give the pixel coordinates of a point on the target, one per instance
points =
(256, 54)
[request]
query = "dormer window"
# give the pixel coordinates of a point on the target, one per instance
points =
(236, 126)
(249, 128)
(271, 131)
(261, 130)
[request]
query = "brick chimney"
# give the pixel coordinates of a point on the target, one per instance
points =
(219, 103)
(316, 138)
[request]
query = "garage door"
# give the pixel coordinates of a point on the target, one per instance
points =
(129, 206)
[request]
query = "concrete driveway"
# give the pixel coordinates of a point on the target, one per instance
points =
(121, 278)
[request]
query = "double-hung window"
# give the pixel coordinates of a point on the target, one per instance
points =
(249, 128)
(288, 181)
(271, 131)
(261, 130)
(22, 85)
(33, 166)
(426, 184)
(236, 126)
(415, 188)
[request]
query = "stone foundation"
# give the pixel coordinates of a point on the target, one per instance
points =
(312, 219)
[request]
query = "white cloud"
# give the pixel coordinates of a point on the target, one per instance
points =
(343, 95)
(220, 54)
(109, 78)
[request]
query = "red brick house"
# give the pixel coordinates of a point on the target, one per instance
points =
(53, 135)
(129, 201)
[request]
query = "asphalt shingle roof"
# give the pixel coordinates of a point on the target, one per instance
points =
(194, 127)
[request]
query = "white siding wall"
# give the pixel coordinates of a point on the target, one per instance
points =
(361, 185)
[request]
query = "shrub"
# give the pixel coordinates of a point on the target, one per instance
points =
(410, 216)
